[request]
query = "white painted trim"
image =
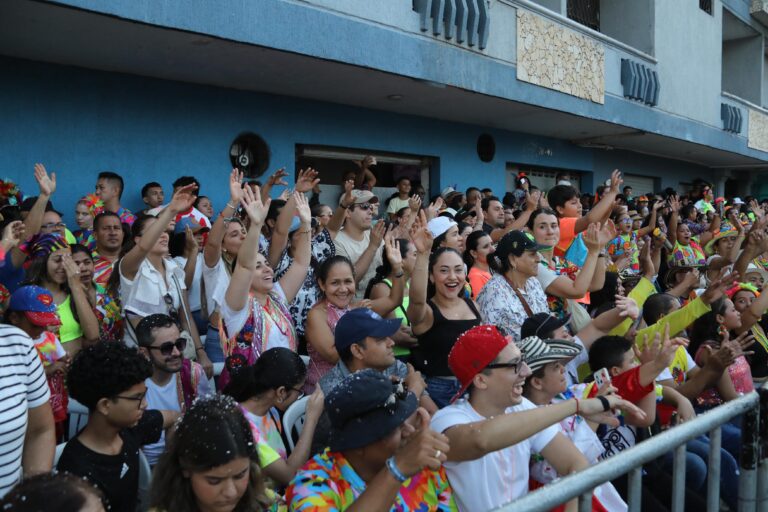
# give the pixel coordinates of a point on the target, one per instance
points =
(744, 102)
(578, 27)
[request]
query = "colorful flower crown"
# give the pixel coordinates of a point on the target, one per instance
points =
(10, 191)
(93, 203)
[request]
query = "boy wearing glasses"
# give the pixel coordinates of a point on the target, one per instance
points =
(108, 379)
(175, 381)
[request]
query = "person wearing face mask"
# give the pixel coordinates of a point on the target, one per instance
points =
(438, 310)
(337, 282)
(514, 294)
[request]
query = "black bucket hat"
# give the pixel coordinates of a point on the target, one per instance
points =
(366, 407)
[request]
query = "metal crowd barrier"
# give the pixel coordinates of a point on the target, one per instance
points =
(753, 471)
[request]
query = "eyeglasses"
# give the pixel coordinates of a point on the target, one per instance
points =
(52, 225)
(626, 221)
(516, 366)
(300, 394)
(172, 312)
(138, 399)
(365, 206)
(166, 348)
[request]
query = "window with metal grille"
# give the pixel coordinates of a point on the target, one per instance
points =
(706, 6)
(586, 12)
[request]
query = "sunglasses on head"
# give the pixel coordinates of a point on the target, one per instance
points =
(167, 347)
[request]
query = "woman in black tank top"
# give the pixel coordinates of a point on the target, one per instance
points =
(438, 315)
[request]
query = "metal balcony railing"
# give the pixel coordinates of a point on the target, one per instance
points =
(753, 473)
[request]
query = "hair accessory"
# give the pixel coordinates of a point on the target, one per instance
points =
(10, 191)
(94, 204)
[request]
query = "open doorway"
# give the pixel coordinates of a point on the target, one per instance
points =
(334, 163)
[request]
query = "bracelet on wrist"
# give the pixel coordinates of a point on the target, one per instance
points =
(230, 205)
(605, 402)
(395, 471)
(199, 348)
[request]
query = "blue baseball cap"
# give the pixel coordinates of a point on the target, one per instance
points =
(37, 305)
(358, 324)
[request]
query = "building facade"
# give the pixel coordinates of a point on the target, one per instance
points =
(449, 92)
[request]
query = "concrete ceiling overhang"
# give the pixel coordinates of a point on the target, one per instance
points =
(47, 32)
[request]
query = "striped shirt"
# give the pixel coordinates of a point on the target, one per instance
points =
(22, 387)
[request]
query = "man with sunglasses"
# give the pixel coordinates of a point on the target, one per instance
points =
(357, 241)
(175, 381)
(108, 379)
(494, 432)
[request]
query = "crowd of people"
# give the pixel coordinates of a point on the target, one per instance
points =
(453, 352)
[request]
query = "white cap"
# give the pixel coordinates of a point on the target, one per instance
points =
(737, 200)
(446, 191)
(440, 225)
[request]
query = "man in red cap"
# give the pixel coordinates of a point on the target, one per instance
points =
(495, 431)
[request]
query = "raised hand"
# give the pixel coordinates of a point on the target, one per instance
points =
(307, 180)
(434, 208)
(377, 233)
(532, 200)
(235, 187)
(414, 202)
(277, 178)
(183, 199)
(674, 203)
(591, 238)
(414, 381)
(718, 286)
(607, 232)
(13, 234)
(627, 307)
(658, 205)
(191, 247)
(392, 250)
(616, 181)
(253, 205)
(349, 198)
(650, 351)
(284, 195)
(73, 273)
(692, 279)
(423, 448)
(47, 184)
(302, 208)
(420, 235)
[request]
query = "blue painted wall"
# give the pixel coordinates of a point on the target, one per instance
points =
(79, 122)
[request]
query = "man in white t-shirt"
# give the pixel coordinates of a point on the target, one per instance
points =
(175, 381)
(494, 432)
(358, 242)
(401, 200)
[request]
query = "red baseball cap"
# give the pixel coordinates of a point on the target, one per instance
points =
(473, 351)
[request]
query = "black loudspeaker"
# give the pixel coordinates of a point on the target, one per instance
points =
(249, 153)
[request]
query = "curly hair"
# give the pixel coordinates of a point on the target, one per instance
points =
(105, 370)
(212, 432)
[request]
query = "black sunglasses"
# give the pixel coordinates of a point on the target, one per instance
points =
(515, 366)
(166, 348)
(172, 312)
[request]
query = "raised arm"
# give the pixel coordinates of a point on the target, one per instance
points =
(275, 179)
(240, 284)
(652, 222)
(191, 250)
(294, 277)
(471, 441)
(212, 249)
(674, 218)
(531, 203)
(364, 261)
(47, 186)
(337, 221)
(603, 208)
(304, 183)
(565, 287)
(418, 312)
(182, 200)
(385, 305)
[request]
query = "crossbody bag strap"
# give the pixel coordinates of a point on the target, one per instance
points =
(524, 302)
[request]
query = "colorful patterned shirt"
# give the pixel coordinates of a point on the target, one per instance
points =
(109, 313)
(85, 237)
(327, 482)
(626, 244)
(126, 217)
(686, 255)
(102, 269)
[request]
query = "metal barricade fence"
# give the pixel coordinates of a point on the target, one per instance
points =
(753, 471)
